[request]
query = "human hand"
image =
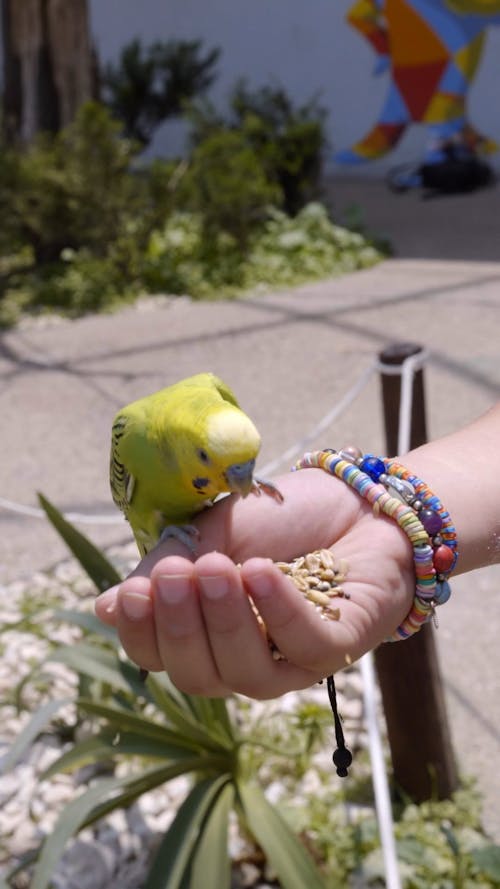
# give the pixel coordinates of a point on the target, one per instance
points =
(192, 617)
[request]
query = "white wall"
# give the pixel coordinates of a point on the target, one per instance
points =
(306, 47)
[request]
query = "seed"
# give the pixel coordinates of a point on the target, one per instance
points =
(312, 562)
(327, 574)
(312, 580)
(319, 598)
(284, 567)
(327, 559)
(317, 576)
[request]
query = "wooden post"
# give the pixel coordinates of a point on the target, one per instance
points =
(408, 672)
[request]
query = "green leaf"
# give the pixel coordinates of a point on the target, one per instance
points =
(68, 823)
(103, 574)
(212, 866)
(125, 720)
(38, 721)
(174, 856)
(88, 622)
(105, 666)
(107, 745)
(295, 868)
(212, 712)
(95, 749)
(183, 715)
(135, 785)
(487, 859)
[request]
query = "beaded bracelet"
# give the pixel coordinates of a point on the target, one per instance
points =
(392, 489)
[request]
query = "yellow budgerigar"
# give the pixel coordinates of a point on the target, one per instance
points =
(174, 451)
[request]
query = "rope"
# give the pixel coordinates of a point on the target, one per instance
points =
(379, 775)
(76, 517)
(380, 780)
(324, 424)
(406, 370)
(286, 457)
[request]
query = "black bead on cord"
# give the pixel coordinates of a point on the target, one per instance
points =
(342, 757)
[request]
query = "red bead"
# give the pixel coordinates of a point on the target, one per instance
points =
(443, 558)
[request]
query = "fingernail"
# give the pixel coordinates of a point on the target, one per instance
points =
(108, 599)
(214, 587)
(261, 586)
(135, 605)
(173, 588)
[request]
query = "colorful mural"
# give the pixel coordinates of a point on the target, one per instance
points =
(431, 50)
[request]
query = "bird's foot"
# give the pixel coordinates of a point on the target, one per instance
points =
(186, 534)
(260, 485)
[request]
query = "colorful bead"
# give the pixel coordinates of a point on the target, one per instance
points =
(400, 487)
(443, 592)
(418, 512)
(443, 559)
(373, 466)
(351, 452)
(431, 520)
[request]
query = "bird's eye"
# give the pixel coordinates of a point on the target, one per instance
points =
(203, 456)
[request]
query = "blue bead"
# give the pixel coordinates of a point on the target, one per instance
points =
(373, 466)
(443, 592)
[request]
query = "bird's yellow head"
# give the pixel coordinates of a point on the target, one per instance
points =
(226, 455)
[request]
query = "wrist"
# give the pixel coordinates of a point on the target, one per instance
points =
(392, 489)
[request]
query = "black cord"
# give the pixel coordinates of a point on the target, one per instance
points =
(342, 757)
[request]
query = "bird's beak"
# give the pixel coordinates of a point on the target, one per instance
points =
(239, 477)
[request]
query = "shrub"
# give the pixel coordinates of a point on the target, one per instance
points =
(149, 85)
(288, 140)
(227, 184)
(281, 252)
(69, 190)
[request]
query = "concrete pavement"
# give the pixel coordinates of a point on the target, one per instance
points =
(289, 357)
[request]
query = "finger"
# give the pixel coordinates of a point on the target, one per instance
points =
(239, 643)
(105, 606)
(181, 636)
(304, 638)
(135, 624)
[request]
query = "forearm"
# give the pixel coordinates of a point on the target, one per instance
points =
(461, 469)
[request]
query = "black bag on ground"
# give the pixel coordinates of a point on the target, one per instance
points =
(460, 170)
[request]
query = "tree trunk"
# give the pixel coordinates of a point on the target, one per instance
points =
(48, 64)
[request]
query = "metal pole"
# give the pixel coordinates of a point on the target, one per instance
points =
(408, 672)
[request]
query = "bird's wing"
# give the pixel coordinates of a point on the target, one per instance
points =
(121, 481)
